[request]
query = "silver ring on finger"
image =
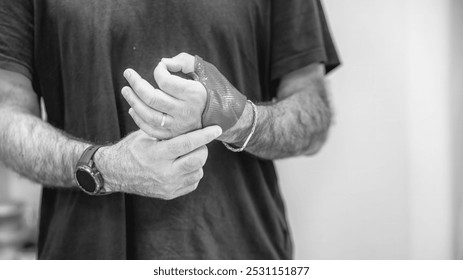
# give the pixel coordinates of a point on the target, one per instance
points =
(163, 120)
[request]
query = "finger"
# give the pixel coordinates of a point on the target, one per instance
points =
(174, 85)
(150, 116)
(190, 183)
(191, 161)
(152, 97)
(184, 191)
(186, 184)
(182, 62)
(148, 129)
(186, 143)
(193, 178)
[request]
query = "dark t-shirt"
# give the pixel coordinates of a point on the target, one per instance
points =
(75, 53)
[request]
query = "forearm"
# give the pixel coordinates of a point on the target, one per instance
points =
(293, 126)
(37, 150)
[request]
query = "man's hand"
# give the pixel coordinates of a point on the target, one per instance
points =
(297, 124)
(141, 165)
(208, 100)
(173, 109)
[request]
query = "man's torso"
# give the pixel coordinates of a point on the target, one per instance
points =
(81, 49)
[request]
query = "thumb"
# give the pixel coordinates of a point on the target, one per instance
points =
(183, 62)
(186, 143)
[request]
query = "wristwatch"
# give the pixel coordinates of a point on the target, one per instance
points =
(88, 177)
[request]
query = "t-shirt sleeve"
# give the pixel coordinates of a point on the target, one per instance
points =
(300, 36)
(17, 36)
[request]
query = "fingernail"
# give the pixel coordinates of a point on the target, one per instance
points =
(124, 92)
(127, 73)
(130, 111)
(218, 131)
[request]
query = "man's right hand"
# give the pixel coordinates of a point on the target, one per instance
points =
(142, 165)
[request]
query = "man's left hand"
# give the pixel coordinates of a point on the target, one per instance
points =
(173, 109)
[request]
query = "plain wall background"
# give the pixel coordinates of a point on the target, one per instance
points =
(383, 186)
(351, 200)
(456, 83)
(386, 185)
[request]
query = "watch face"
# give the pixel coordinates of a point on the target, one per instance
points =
(86, 180)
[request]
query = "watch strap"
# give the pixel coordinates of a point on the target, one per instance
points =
(86, 164)
(87, 155)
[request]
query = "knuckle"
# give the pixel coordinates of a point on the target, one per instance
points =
(169, 86)
(173, 148)
(173, 87)
(200, 174)
(159, 101)
(190, 164)
(186, 145)
(153, 119)
(168, 134)
(145, 127)
(189, 181)
(161, 178)
(136, 118)
(193, 179)
(178, 111)
(192, 187)
(167, 107)
(161, 83)
(151, 101)
(137, 85)
(165, 85)
(148, 131)
(155, 97)
(204, 157)
(180, 148)
(188, 113)
(151, 133)
(164, 177)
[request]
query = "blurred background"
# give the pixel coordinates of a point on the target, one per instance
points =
(388, 183)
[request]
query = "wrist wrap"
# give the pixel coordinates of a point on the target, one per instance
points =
(225, 104)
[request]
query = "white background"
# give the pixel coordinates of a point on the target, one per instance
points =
(386, 184)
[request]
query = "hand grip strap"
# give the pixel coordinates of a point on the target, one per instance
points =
(225, 104)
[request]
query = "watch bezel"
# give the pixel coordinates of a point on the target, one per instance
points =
(96, 176)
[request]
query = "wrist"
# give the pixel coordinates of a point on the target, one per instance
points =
(77, 152)
(102, 159)
(237, 134)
